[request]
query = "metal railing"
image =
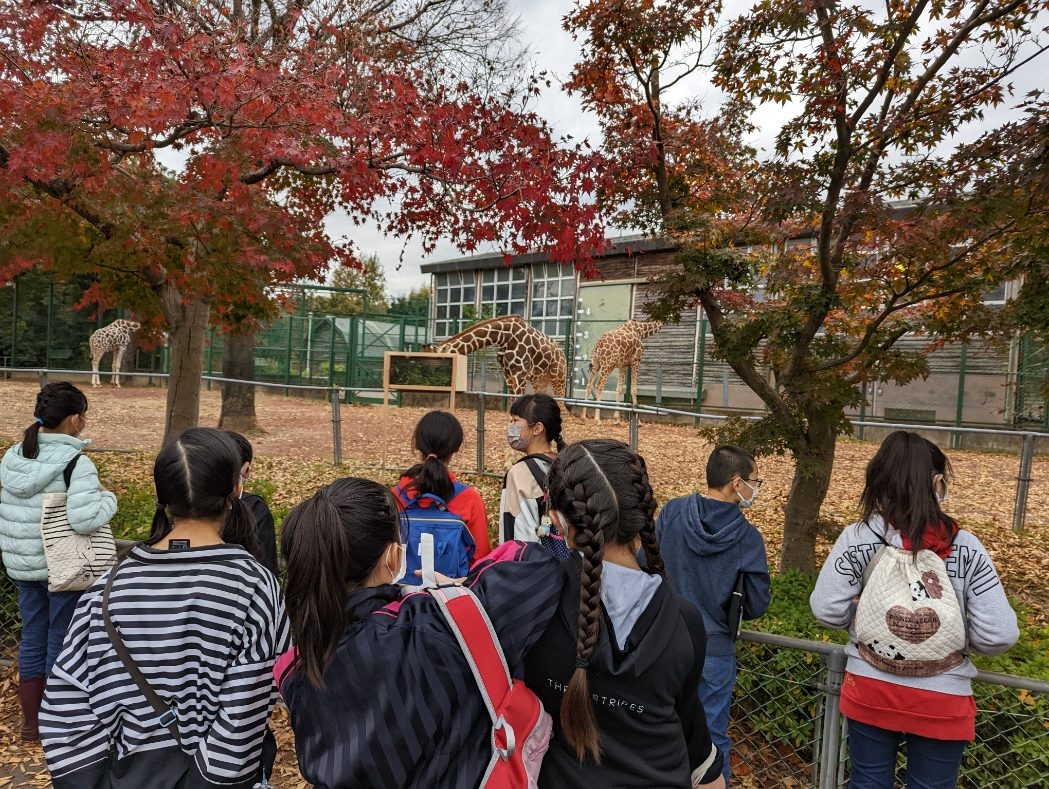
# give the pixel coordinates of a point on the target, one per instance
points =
(787, 729)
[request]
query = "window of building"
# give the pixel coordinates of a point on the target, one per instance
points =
(456, 302)
(553, 299)
(504, 289)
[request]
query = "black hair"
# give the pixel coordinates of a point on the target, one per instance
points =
(726, 462)
(438, 436)
(332, 542)
(541, 408)
(196, 476)
(243, 446)
(899, 486)
(54, 402)
(601, 486)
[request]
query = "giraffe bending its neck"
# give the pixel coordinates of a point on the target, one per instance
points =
(618, 349)
(526, 355)
(115, 337)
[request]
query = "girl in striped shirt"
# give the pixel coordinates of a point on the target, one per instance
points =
(202, 621)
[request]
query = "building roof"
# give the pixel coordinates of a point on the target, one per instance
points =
(621, 246)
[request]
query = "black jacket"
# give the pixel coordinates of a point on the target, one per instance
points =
(653, 732)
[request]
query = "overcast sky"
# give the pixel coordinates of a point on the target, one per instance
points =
(555, 51)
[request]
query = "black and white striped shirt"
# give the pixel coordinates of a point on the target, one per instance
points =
(204, 626)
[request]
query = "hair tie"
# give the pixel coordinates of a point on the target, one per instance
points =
(582, 662)
(40, 421)
(432, 456)
(161, 507)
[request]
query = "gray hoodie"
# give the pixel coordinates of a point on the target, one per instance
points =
(991, 623)
(25, 480)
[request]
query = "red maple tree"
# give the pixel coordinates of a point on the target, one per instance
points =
(280, 113)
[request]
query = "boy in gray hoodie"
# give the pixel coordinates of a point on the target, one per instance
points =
(707, 544)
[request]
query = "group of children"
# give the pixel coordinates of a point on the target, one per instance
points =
(174, 660)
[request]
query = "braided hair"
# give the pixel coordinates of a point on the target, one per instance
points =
(601, 487)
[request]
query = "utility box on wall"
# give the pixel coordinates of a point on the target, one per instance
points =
(424, 372)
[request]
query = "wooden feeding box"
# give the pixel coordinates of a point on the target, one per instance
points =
(423, 372)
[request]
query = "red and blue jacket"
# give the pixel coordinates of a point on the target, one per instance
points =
(399, 706)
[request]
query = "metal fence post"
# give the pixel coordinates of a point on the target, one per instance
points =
(634, 423)
(831, 740)
(959, 409)
(480, 431)
(42, 376)
(336, 424)
(659, 387)
(1023, 482)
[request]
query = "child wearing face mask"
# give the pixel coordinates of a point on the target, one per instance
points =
(534, 430)
(709, 547)
(31, 468)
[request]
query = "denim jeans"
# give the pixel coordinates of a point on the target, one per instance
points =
(715, 691)
(45, 619)
(931, 764)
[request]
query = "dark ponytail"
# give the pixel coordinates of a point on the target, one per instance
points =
(438, 436)
(54, 402)
(332, 543)
(601, 486)
(197, 476)
(541, 408)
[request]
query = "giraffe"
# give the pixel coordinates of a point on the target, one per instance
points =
(525, 354)
(618, 349)
(115, 337)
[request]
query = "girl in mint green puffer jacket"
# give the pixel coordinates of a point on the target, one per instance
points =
(28, 470)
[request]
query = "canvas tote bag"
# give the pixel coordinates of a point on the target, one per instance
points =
(74, 560)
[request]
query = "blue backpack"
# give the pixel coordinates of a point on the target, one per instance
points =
(453, 545)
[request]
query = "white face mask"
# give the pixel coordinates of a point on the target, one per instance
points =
(942, 499)
(514, 438)
(744, 503)
(402, 568)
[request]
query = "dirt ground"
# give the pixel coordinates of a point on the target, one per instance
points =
(294, 447)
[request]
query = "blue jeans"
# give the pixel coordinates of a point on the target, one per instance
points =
(45, 619)
(931, 764)
(715, 691)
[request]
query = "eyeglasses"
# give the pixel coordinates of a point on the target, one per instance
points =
(756, 483)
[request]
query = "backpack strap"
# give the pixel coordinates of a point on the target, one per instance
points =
(67, 472)
(166, 715)
(475, 633)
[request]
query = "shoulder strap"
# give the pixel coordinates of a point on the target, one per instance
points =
(532, 462)
(476, 636)
(67, 472)
(457, 488)
(166, 715)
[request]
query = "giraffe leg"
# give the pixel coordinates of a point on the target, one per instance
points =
(590, 387)
(620, 386)
(597, 393)
(96, 360)
(118, 355)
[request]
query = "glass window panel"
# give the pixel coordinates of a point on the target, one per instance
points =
(538, 289)
(517, 291)
(554, 288)
(502, 292)
(517, 307)
(468, 293)
(538, 309)
(487, 293)
(442, 312)
(567, 305)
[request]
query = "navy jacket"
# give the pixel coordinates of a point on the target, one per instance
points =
(400, 707)
(705, 544)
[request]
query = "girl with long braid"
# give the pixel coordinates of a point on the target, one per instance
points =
(619, 665)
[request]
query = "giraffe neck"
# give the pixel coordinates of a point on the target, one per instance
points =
(471, 340)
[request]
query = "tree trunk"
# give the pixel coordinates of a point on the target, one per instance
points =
(238, 400)
(801, 514)
(188, 323)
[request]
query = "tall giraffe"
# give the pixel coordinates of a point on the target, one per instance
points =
(525, 354)
(618, 349)
(115, 337)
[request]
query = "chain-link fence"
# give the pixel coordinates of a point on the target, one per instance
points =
(10, 621)
(787, 730)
